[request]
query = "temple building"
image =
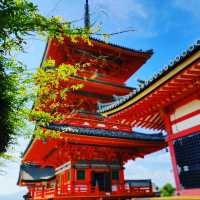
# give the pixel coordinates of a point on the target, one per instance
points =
(169, 102)
(88, 161)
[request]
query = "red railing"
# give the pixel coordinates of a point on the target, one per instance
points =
(87, 190)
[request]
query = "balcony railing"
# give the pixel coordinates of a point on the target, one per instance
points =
(123, 190)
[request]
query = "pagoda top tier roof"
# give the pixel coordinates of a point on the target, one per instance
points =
(110, 62)
(111, 108)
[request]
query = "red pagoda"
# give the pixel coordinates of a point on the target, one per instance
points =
(87, 162)
(98, 138)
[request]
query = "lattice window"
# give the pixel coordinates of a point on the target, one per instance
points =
(115, 174)
(187, 152)
(81, 175)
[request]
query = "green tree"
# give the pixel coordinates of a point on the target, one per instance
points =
(20, 19)
(167, 190)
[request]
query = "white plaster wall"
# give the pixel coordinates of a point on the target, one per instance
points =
(186, 124)
(185, 109)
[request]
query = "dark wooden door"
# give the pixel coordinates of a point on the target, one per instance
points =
(103, 180)
(107, 182)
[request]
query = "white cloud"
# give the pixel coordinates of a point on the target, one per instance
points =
(11, 169)
(191, 6)
(120, 9)
(156, 166)
(9, 180)
(125, 14)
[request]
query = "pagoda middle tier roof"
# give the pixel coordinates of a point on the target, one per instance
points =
(106, 133)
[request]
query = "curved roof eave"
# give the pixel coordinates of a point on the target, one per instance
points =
(106, 133)
(175, 66)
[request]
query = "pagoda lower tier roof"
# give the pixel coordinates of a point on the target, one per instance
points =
(32, 173)
(106, 133)
(76, 141)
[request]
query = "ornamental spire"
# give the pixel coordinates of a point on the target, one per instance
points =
(87, 15)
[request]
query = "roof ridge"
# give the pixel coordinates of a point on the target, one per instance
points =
(149, 51)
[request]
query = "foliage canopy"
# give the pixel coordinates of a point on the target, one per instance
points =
(20, 19)
(167, 190)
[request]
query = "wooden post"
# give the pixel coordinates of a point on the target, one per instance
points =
(121, 179)
(168, 125)
(43, 188)
(89, 179)
(72, 180)
(61, 183)
(56, 188)
(33, 192)
(97, 188)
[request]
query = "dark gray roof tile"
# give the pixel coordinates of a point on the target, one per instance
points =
(106, 133)
(150, 51)
(31, 173)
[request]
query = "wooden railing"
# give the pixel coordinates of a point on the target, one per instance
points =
(87, 190)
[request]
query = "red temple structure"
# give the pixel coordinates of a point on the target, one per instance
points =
(87, 162)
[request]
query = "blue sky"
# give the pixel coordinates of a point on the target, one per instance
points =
(166, 26)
